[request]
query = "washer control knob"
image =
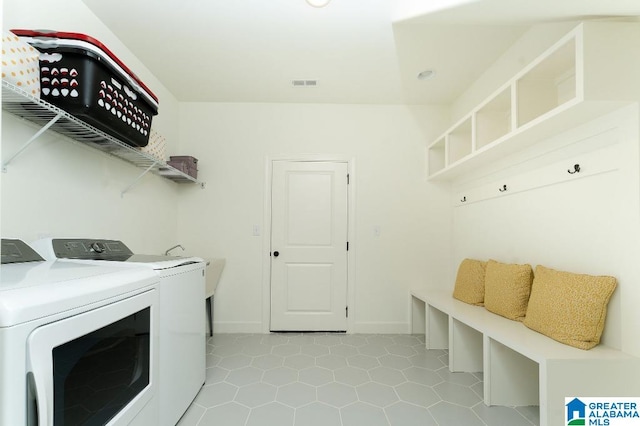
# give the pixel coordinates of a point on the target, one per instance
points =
(97, 247)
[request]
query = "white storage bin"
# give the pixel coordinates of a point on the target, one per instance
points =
(20, 64)
(157, 146)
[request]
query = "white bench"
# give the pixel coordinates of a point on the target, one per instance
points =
(520, 366)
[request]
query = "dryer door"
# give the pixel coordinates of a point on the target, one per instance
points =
(95, 368)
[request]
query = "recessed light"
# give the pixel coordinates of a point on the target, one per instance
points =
(318, 3)
(426, 75)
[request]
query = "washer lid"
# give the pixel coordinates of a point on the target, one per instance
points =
(163, 262)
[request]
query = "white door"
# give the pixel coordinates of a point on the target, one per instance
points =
(309, 246)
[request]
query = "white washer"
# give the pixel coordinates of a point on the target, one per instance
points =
(59, 321)
(182, 317)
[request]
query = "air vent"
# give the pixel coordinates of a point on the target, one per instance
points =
(304, 83)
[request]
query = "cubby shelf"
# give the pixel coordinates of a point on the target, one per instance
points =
(586, 74)
(22, 104)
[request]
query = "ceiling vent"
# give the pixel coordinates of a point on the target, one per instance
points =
(304, 83)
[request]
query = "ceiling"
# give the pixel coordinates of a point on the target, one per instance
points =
(359, 51)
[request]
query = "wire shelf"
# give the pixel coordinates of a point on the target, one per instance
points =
(22, 104)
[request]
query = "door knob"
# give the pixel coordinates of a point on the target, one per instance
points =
(276, 253)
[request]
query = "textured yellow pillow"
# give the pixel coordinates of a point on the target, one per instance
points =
(507, 288)
(570, 308)
(469, 286)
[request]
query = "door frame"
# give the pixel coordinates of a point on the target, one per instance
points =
(266, 226)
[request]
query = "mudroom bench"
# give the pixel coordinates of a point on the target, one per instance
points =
(520, 366)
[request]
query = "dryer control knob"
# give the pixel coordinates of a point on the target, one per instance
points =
(97, 247)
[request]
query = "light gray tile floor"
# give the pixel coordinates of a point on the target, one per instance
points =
(324, 379)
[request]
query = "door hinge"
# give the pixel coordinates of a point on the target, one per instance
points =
(347, 245)
(347, 311)
(347, 178)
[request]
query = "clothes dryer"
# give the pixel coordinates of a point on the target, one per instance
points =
(78, 342)
(182, 314)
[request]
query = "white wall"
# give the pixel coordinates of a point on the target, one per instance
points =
(60, 188)
(233, 143)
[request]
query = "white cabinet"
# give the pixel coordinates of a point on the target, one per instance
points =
(592, 70)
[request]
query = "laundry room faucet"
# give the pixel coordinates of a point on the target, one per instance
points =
(166, 253)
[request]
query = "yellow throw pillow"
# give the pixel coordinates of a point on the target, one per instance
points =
(469, 286)
(507, 288)
(570, 308)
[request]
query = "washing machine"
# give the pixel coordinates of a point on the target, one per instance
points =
(182, 315)
(78, 342)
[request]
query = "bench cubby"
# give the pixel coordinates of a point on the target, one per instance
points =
(521, 367)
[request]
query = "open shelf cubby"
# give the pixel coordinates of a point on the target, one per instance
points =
(584, 75)
(436, 155)
(460, 141)
(493, 119)
(550, 83)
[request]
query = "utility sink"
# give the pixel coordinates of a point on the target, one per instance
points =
(214, 270)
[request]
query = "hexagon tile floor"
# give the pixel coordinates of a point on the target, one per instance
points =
(324, 379)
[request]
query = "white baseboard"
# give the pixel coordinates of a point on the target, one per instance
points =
(381, 328)
(358, 328)
(238, 327)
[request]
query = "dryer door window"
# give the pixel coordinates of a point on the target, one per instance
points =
(96, 375)
(95, 368)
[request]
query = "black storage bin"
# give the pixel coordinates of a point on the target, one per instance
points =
(81, 76)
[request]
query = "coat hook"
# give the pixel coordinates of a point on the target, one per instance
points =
(576, 169)
(503, 189)
(464, 199)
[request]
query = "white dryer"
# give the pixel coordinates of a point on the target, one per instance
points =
(182, 314)
(78, 343)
